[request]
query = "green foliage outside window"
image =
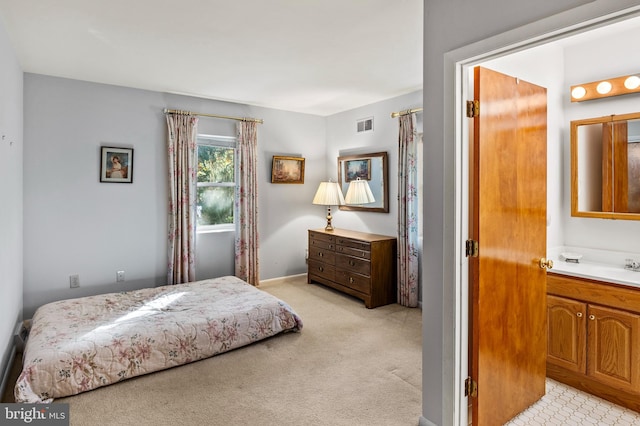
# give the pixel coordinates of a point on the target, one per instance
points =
(216, 186)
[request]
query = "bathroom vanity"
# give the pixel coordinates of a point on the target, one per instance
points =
(593, 292)
(594, 336)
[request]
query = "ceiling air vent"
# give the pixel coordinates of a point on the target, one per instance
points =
(365, 124)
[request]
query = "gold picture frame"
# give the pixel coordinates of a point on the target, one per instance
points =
(287, 170)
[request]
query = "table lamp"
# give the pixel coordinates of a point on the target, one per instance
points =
(329, 194)
(359, 193)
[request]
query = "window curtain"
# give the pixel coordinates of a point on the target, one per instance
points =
(407, 212)
(246, 204)
(182, 154)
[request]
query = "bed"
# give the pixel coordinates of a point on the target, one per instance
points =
(77, 345)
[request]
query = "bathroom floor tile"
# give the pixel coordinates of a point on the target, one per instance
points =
(564, 405)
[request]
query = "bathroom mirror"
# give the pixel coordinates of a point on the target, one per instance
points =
(373, 169)
(605, 167)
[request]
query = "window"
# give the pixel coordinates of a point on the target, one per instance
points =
(216, 182)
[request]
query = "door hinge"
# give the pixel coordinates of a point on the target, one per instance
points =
(471, 248)
(473, 109)
(470, 388)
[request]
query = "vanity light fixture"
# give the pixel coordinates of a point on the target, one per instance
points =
(605, 88)
(632, 82)
(578, 92)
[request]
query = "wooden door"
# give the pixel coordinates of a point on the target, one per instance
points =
(614, 347)
(567, 333)
(508, 220)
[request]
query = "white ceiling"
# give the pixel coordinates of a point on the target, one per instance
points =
(312, 56)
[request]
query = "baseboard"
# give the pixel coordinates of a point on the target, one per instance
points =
(6, 368)
(283, 278)
(304, 275)
(425, 422)
(18, 340)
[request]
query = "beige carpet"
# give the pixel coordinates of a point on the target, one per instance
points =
(349, 366)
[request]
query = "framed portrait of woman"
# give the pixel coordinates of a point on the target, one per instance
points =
(116, 164)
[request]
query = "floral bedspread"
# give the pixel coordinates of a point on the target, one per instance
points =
(81, 344)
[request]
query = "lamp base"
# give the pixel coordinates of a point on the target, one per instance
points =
(329, 227)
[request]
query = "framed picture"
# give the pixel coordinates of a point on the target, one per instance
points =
(360, 168)
(116, 164)
(287, 169)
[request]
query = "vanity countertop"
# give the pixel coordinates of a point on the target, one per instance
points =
(596, 271)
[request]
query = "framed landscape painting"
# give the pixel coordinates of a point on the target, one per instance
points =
(359, 168)
(287, 169)
(116, 164)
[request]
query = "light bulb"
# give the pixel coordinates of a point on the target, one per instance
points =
(603, 87)
(578, 92)
(632, 82)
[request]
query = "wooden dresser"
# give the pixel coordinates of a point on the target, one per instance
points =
(594, 337)
(357, 263)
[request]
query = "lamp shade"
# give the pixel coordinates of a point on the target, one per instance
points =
(329, 194)
(359, 193)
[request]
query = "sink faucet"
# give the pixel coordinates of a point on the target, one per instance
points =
(632, 265)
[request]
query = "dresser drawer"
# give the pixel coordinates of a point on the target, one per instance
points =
(355, 264)
(356, 244)
(313, 243)
(352, 251)
(354, 281)
(322, 255)
(322, 270)
(318, 237)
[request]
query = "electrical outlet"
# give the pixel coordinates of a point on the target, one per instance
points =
(119, 276)
(74, 281)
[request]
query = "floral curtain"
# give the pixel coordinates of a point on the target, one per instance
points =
(182, 154)
(246, 204)
(407, 212)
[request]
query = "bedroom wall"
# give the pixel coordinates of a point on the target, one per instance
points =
(11, 225)
(76, 225)
(343, 139)
(478, 27)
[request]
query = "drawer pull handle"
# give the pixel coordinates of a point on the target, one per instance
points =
(352, 263)
(320, 268)
(579, 314)
(320, 254)
(350, 280)
(592, 317)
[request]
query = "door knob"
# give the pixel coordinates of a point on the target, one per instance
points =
(546, 263)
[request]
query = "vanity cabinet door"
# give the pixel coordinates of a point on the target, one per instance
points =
(614, 346)
(567, 333)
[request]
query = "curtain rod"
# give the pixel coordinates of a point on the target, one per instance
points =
(405, 112)
(177, 111)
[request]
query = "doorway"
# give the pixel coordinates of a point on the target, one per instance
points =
(459, 63)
